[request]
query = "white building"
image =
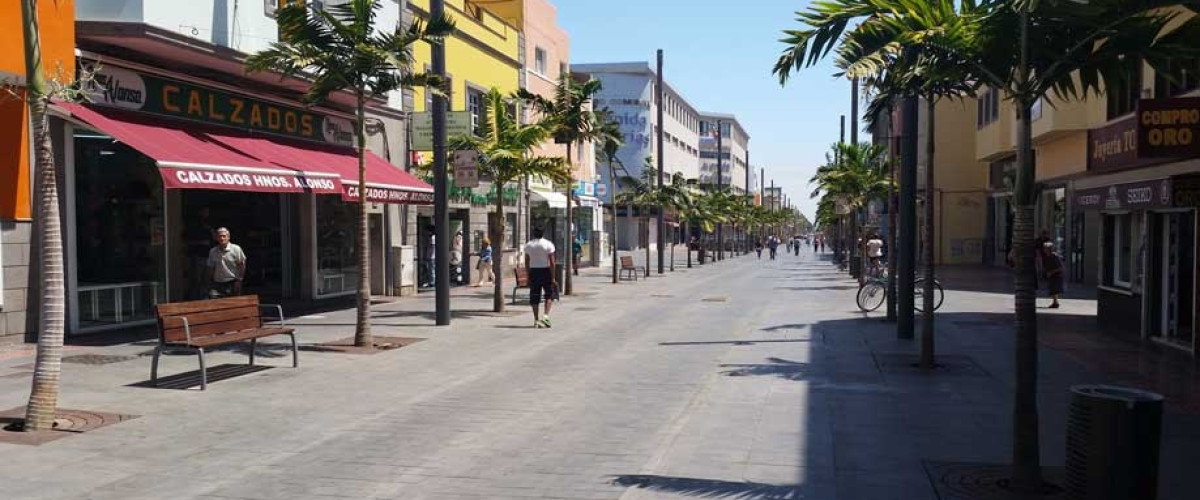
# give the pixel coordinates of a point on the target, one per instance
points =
(735, 143)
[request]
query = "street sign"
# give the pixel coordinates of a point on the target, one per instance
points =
(466, 169)
(458, 123)
(601, 190)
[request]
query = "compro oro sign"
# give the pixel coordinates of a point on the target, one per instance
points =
(1169, 127)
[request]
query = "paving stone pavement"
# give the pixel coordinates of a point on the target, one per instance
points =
(742, 379)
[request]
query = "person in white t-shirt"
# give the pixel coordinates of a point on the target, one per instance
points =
(874, 251)
(540, 264)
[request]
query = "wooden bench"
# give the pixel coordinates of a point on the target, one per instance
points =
(521, 280)
(204, 324)
(628, 267)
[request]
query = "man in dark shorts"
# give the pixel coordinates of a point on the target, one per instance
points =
(540, 264)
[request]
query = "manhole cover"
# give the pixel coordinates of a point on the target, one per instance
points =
(972, 481)
(95, 359)
(946, 365)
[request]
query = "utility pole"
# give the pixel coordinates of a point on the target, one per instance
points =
(720, 185)
(662, 240)
(441, 213)
(907, 236)
(855, 253)
(854, 111)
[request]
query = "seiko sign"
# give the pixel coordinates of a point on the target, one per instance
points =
(118, 87)
(1135, 195)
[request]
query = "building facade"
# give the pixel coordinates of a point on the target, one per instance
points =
(18, 300)
(735, 146)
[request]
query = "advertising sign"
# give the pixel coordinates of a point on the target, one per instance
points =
(466, 169)
(122, 88)
(1134, 195)
(458, 123)
(1168, 128)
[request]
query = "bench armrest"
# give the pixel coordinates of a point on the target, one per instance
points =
(278, 311)
(187, 329)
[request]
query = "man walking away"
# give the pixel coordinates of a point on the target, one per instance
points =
(540, 264)
(226, 267)
(796, 245)
(773, 245)
(758, 246)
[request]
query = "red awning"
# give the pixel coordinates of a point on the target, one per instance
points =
(198, 156)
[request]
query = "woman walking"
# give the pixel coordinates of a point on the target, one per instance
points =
(485, 262)
(1052, 269)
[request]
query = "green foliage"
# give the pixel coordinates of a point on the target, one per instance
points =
(504, 148)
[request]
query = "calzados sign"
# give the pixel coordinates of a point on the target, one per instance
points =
(1169, 127)
(385, 195)
(127, 89)
(179, 178)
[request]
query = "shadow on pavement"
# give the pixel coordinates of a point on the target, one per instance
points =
(711, 488)
(188, 380)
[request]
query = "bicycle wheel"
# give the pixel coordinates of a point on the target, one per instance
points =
(871, 295)
(919, 294)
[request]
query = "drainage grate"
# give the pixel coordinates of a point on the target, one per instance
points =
(715, 299)
(973, 481)
(945, 365)
(96, 359)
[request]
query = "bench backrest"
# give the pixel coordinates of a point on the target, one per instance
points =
(522, 276)
(626, 262)
(207, 317)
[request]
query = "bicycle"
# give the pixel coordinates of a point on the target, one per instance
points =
(873, 293)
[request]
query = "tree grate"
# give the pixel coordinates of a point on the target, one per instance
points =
(975, 481)
(96, 359)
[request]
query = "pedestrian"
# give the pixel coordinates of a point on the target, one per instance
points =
(773, 246)
(796, 245)
(874, 252)
(789, 246)
(816, 243)
(1052, 272)
(484, 267)
(540, 264)
(456, 258)
(226, 267)
(758, 246)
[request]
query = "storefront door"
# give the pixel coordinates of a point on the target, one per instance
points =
(1172, 292)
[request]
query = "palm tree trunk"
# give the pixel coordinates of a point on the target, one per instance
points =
(1027, 470)
(497, 229)
(647, 234)
(687, 239)
(362, 324)
(569, 249)
(612, 178)
(893, 206)
(47, 371)
(927, 307)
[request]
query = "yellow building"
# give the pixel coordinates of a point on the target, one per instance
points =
(960, 183)
(483, 53)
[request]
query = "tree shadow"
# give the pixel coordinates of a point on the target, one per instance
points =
(791, 326)
(711, 488)
(828, 287)
(776, 367)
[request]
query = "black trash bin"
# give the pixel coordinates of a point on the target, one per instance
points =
(1113, 438)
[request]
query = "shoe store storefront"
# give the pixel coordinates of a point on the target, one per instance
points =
(155, 164)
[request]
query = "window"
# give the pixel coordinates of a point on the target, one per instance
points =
(987, 108)
(539, 60)
(1035, 111)
(1123, 98)
(478, 111)
(1118, 250)
(1179, 78)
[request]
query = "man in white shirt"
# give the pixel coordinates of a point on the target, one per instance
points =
(226, 267)
(874, 252)
(540, 264)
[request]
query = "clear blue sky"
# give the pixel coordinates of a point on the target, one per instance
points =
(719, 54)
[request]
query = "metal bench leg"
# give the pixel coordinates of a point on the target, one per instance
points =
(203, 370)
(295, 352)
(253, 346)
(154, 366)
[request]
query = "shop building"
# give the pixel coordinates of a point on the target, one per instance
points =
(959, 182)
(177, 140)
(735, 146)
(18, 274)
(629, 93)
(483, 53)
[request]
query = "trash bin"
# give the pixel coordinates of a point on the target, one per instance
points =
(1113, 438)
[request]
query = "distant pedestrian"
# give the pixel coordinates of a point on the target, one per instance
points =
(875, 252)
(796, 245)
(773, 246)
(1052, 271)
(540, 264)
(484, 267)
(226, 267)
(758, 246)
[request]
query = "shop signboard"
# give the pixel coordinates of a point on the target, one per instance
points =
(601, 190)
(458, 123)
(1142, 195)
(127, 89)
(1168, 128)
(1115, 147)
(1186, 190)
(350, 192)
(584, 188)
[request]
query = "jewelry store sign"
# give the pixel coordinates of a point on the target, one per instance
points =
(1168, 128)
(1131, 196)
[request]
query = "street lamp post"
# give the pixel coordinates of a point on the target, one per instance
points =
(441, 215)
(661, 130)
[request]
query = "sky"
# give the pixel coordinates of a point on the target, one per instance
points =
(719, 54)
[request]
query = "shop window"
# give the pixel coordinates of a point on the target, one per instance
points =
(1123, 97)
(1118, 250)
(1178, 78)
(337, 254)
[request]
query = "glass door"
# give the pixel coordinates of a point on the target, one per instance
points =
(1174, 307)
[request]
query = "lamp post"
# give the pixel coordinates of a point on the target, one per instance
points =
(661, 130)
(441, 212)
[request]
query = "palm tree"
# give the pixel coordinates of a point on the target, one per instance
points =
(339, 49)
(572, 122)
(610, 139)
(504, 157)
(854, 174)
(645, 194)
(47, 371)
(1025, 49)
